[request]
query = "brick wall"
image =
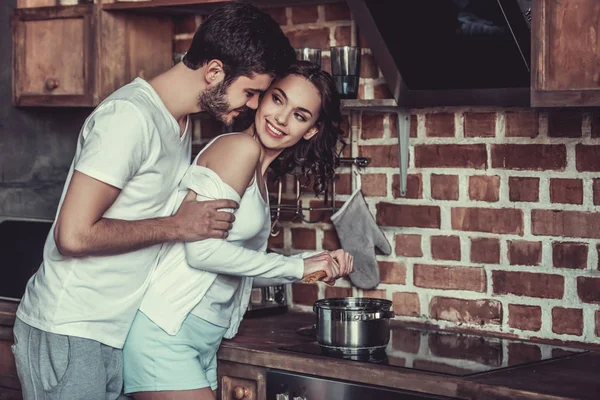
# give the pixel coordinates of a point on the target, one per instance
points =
(500, 229)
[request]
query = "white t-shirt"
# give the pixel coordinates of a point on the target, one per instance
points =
(188, 271)
(132, 142)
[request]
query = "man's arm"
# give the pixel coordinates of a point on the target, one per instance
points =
(82, 231)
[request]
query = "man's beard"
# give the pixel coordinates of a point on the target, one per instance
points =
(214, 102)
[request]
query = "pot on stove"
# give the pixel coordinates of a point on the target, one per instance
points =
(353, 324)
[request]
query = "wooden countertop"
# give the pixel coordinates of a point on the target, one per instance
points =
(259, 339)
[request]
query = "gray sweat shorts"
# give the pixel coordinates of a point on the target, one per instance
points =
(59, 367)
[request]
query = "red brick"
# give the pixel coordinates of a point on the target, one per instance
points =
(394, 126)
(332, 291)
(450, 156)
(305, 294)
(317, 38)
(484, 188)
(522, 124)
(392, 272)
(597, 330)
(374, 184)
(375, 293)
(182, 45)
(444, 187)
(445, 277)
(184, 24)
(380, 155)
(345, 127)
(587, 158)
(330, 240)
(588, 289)
(545, 286)
(522, 188)
(475, 312)
(521, 353)
(321, 212)
(522, 252)
(278, 14)
(569, 255)
(527, 318)
(596, 188)
(576, 224)
(537, 157)
(439, 125)
(304, 14)
(342, 36)
(492, 220)
(343, 184)
(480, 124)
(368, 67)
(408, 245)
(567, 321)
(566, 191)
(485, 250)
(372, 126)
(382, 91)
(337, 12)
(414, 187)
(564, 123)
(408, 215)
(406, 304)
(277, 241)
(304, 238)
(598, 253)
(445, 248)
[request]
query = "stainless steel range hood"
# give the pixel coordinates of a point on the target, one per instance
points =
(449, 52)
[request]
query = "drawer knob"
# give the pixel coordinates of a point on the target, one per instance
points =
(52, 83)
(240, 393)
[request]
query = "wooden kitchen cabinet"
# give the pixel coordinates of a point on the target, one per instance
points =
(565, 53)
(241, 382)
(78, 55)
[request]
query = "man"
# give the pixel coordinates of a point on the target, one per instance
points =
(115, 211)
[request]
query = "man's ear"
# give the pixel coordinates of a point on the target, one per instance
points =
(214, 73)
(311, 132)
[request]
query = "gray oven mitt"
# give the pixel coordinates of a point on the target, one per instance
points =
(359, 235)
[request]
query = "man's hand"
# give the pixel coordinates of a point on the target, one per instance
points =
(199, 220)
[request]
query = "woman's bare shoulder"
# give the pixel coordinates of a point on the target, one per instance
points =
(234, 158)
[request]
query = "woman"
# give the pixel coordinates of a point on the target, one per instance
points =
(170, 352)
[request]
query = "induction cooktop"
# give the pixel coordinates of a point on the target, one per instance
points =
(443, 352)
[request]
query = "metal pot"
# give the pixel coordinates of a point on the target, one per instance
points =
(353, 324)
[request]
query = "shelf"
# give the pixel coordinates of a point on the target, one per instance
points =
(197, 6)
(383, 105)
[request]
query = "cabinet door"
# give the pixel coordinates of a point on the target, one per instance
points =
(52, 59)
(241, 382)
(565, 53)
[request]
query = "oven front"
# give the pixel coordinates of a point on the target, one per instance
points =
(290, 386)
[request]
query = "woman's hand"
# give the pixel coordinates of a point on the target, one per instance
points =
(328, 266)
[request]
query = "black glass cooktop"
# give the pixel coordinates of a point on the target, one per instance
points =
(445, 353)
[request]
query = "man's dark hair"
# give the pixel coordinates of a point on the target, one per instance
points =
(247, 40)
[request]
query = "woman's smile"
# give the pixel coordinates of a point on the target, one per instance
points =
(273, 131)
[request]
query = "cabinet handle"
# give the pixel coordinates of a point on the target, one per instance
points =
(240, 393)
(52, 83)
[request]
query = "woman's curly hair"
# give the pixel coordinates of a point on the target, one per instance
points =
(315, 159)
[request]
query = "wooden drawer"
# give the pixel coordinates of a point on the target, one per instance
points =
(241, 382)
